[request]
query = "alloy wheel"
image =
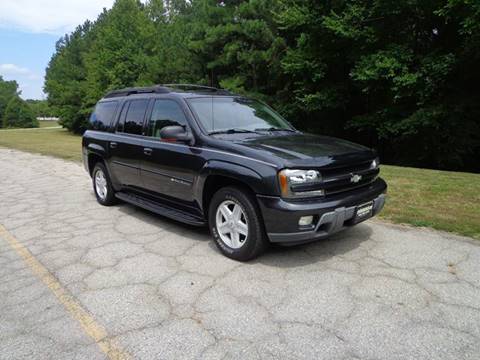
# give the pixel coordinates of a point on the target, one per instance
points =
(232, 224)
(101, 184)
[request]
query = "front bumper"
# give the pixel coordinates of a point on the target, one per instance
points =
(331, 215)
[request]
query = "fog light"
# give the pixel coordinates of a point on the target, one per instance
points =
(305, 220)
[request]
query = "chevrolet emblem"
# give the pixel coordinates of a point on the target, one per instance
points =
(355, 178)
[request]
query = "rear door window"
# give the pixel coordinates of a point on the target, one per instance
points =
(121, 120)
(103, 115)
(132, 117)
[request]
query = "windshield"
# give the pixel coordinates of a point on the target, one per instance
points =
(238, 114)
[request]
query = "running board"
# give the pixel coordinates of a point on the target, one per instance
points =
(161, 209)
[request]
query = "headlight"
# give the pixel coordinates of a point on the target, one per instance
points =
(300, 183)
(375, 163)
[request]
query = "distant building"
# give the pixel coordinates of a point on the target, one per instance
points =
(48, 118)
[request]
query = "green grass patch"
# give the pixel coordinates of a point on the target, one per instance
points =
(54, 142)
(443, 200)
(47, 123)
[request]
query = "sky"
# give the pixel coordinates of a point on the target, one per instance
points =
(29, 30)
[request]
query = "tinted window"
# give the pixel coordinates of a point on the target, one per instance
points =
(132, 123)
(121, 121)
(165, 113)
(103, 115)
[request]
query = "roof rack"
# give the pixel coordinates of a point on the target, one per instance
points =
(164, 89)
(190, 86)
(137, 90)
(186, 87)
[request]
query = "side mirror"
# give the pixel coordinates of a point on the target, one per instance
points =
(175, 133)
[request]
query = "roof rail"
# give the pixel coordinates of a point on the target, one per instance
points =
(186, 87)
(163, 89)
(137, 90)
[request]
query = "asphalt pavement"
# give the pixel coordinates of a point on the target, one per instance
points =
(82, 281)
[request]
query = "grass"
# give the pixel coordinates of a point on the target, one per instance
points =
(443, 200)
(47, 123)
(54, 142)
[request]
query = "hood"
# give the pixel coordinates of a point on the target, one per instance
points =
(309, 150)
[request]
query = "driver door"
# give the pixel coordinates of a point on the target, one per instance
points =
(168, 168)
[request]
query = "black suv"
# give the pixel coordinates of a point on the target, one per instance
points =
(202, 156)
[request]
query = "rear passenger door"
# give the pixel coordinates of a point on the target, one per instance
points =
(126, 148)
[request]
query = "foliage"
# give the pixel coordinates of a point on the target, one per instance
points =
(118, 55)
(65, 79)
(40, 108)
(400, 76)
(8, 90)
(393, 75)
(18, 114)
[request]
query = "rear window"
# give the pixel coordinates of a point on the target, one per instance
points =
(103, 115)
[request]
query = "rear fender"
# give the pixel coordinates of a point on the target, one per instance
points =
(98, 151)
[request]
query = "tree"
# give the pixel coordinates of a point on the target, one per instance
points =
(238, 45)
(40, 108)
(399, 76)
(119, 53)
(8, 90)
(170, 59)
(19, 115)
(65, 80)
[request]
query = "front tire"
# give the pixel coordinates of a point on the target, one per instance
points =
(102, 186)
(236, 224)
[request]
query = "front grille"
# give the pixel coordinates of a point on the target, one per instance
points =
(339, 179)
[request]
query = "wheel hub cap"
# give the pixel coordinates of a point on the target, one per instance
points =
(101, 184)
(231, 223)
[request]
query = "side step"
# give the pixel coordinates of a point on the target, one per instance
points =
(161, 209)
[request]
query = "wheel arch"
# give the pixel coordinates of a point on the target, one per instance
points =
(218, 174)
(93, 159)
(95, 153)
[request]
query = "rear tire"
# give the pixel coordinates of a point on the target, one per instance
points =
(236, 224)
(102, 186)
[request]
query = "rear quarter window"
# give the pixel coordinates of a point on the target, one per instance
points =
(103, 115)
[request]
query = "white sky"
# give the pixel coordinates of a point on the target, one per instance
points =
(28, 32)
(49, 16)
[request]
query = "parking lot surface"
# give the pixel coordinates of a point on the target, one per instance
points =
(82, 281)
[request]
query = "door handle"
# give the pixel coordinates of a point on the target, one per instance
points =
(147, 151)
(113, 145)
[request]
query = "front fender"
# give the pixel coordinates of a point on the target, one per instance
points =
(251, 178)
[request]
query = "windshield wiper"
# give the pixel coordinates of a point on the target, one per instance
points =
(275, 129)
(231, 131)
